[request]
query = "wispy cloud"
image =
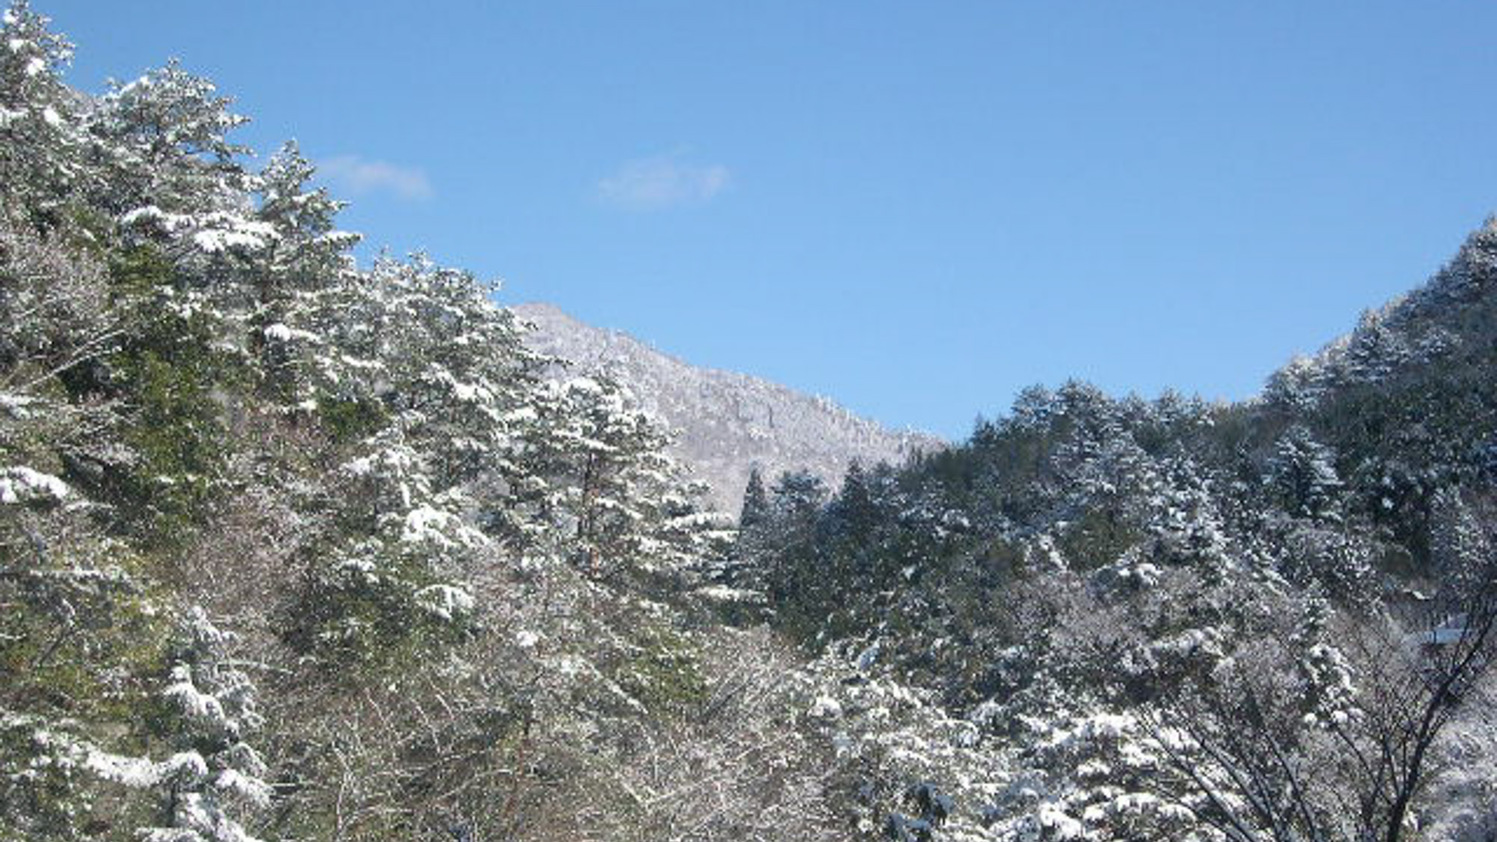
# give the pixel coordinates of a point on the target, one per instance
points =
(663, 181)
(357, 176)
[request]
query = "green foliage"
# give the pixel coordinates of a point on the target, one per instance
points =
(662, 671)
(39, 796)
(371, 620)
(174, 385)
(349, 421)
(1097, 538)
(92, 666)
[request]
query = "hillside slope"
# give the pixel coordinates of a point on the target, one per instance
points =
(726, 422)
(1151, 613)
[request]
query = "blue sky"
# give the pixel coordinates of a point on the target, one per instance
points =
(914, 208)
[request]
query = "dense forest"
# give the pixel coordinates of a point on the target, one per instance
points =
(293, 547)
(1174, 619)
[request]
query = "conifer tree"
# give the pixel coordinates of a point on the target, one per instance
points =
(213, 778)
(755, 509)
(1303, 472)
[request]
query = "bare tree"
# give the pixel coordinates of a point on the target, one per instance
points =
(1414, 689)
(1252, 762)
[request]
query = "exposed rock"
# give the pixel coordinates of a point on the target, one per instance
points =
(726, 422)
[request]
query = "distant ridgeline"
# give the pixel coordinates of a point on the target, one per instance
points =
(725, 423)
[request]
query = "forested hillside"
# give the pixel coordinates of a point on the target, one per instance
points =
(1175, 619)
(296, 548)
(292, 548)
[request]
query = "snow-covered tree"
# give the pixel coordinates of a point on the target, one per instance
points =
(38, 114)
(1303, 473)
(1297, 386)
(755, 502)
(1374, 350)
(213, 778)
(1184, 519)
(307, 259)
(612, 488)
(163, 141)
(425, 379)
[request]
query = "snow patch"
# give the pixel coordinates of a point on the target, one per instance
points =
(825, 707)
(445, 601)
(20, 484)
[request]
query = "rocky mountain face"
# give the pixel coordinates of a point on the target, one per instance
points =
(726, 422)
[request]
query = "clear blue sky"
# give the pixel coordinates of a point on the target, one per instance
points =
(914, 208)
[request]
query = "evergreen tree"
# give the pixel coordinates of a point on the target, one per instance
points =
(306, 258)
(755, 509)
(753, 548)
(214, 774)
(39, 121)
(853, 513)
(1303, 472)
(1374, 350)
(793, 575)
(163, 140)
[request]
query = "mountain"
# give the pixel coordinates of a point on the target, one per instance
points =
(1148, 614)
(295, 549)
(726, 422)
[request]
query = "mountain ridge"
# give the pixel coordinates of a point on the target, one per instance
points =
(726, 421)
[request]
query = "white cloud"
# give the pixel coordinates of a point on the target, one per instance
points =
(356, 176)
(661, 182)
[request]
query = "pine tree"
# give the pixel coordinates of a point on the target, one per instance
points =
(755, 502)
(305, 261)
(853, 512)
(753, 547)
(214, 777)
(1461, 547)
(794, 573)
(1303, 472)
(39, 123)
(1374, 349)
(164, 141)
